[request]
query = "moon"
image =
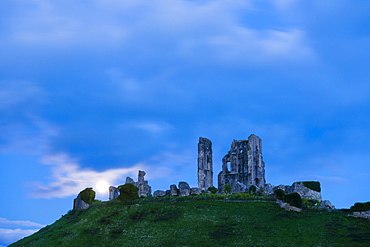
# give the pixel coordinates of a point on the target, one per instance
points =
(102, 186)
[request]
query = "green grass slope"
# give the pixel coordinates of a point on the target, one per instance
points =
(201, 223)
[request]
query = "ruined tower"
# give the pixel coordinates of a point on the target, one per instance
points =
(205, 170)
(243, 164)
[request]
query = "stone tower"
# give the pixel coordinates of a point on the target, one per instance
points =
(243, 164)
(205, 170)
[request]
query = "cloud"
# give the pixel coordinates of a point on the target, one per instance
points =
(196, 32)
(6, 223)
(8, 236)
(69, 179)
(19, 95)
(13, 230)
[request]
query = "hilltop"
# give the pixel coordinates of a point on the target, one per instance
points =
(200, 221)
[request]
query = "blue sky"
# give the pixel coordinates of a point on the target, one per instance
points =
(96, 90)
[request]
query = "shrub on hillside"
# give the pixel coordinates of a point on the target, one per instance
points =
(87, 195)
(252, 189)
(294, 199)
(310, 203)
(360, 206)
(128, 192)
(212, 189)
(313, 185)
(280, 194)
(227, 188)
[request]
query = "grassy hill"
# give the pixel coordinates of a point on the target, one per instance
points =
(200, 223)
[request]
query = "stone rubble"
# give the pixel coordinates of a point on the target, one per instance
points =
(184, 189)
(364, 214)
(159, 193)
(195, 191)
(78, 204)
(305, 192)
(173, 190)
(327, 205)
(287, 206)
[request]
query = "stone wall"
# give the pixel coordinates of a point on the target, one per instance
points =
(205, 166)
(243, 164)
(113, 193)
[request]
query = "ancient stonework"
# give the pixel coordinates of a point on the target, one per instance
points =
(305, 192)
(244, 164)
(159, 193)
(195, 191)
(205, 169)
(184, 189)
(144, 190)
(129, 181)
(287, 206)
(78, 203)
(327, 205)
(364, 214)
(173, 190)
(240, 188)
(113, 193)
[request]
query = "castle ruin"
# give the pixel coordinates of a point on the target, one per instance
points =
(242, 168)
(243, 164)
(205, 169)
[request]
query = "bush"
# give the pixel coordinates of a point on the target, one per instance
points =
(227, 188)
(212, 189)
(252, 189)
(128, 192)
(310, 203)
(358, 207)
(312, 185)
(294, 199)
(87, 195)
(280, 194)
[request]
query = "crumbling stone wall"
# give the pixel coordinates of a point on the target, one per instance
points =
(243, 164)
(205, 166)
(113, 193)
(144, 189)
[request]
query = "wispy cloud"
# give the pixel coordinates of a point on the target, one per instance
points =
(20, 94)
(13, 230)
(330, 178)
(213, 31)
(8, 236)
(7, 223)
(69, 179)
